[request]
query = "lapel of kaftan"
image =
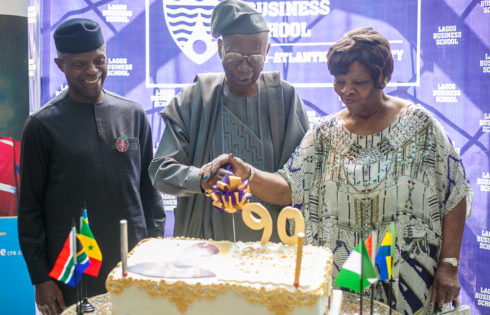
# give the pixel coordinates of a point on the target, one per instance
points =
(273, 99)
(210, 140)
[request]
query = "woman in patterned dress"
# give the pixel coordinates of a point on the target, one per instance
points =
(381, 160)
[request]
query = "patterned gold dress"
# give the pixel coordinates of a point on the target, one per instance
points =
(348, 184)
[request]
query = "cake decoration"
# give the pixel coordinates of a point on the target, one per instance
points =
(229, 194)
(256, 217)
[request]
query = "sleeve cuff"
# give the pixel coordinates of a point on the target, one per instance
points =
(39, 272)
(156, 227)
(194, 180)
(281, 172)
(284, 175)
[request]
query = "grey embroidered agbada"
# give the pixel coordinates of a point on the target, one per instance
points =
(206, 120)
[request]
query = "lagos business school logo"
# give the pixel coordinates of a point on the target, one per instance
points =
(189, 23)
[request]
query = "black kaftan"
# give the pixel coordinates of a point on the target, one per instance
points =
(69, 157)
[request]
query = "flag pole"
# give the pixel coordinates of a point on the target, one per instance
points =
(372, 300)
(389, 292)
(82, 282)
(374, 242)
(392, 263)
(86, 306)
(389, 298)
(362, 276)
(74, 251)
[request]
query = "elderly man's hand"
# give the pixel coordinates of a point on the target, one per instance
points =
(47, 295)
(446, 284)
(210, 181)
(214, 170)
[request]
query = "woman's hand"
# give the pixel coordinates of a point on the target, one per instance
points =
(446, 284)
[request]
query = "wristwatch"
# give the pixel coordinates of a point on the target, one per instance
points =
(453, 261)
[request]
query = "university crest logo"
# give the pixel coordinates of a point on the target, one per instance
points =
(189, 23)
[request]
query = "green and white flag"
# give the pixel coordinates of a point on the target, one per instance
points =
(350, 275)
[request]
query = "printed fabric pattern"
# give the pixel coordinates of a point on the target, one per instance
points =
(348, 185)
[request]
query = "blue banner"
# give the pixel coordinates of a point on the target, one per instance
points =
(16, 290)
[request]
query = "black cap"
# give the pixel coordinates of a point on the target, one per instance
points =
(236, 17)
(77, 36)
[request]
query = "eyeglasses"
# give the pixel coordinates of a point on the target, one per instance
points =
(236, 59)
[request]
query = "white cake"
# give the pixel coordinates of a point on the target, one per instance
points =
(196, 277)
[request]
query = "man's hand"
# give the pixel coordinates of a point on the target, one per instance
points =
(446, 284)
(214, 170)
(209, 182)
(47, 295)
(268, 187)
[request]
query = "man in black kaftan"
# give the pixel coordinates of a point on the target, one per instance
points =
(86, 146)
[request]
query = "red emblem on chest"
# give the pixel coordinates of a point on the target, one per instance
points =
(122, 144)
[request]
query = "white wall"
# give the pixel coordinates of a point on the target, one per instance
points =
(14, 7)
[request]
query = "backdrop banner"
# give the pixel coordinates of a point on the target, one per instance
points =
(442, 61)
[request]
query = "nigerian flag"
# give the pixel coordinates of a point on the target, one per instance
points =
(350, 275)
